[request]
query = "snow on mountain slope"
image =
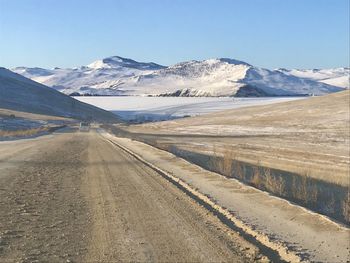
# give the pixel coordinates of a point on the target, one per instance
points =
(277, 83)
(115, 62)
(85, 78)
(337, 77)
(33, 72)
(212, 77)
(195, 78)
(22, 94)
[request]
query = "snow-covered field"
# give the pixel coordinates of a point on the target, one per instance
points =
(142, 109)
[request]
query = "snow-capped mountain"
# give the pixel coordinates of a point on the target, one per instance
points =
(119, 62)
(84, 79)
(213, 77)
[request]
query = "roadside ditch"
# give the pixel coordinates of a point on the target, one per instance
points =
(325, 198)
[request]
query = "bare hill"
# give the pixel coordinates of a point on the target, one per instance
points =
(21, 94)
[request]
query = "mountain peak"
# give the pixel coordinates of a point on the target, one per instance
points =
(209, 62)
(233, 61)
(118, 62)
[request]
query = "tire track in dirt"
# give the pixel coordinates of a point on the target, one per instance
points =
(149, 219)
(43, 215)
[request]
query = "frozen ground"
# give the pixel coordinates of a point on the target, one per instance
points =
(143, 109)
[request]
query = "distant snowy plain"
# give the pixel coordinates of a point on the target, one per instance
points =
(146, 109)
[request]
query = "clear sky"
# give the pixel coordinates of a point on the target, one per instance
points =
(265, 33)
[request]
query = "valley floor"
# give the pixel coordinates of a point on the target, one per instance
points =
(145, 109)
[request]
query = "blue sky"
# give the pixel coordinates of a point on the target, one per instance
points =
(266, 33)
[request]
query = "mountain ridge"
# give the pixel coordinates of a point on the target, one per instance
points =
(118, 76)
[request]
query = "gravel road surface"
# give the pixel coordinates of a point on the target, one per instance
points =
(75, 197)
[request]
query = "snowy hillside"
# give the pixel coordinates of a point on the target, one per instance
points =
(22, 94)
(212, 77)
(337, 77)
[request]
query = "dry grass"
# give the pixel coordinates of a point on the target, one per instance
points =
(227, 162)
(224, 161)
(23, 133)
(272, 183)
(303, 189)
(310, 134)
(301, 192)
(257, 178)
(262, 178)
(6, 113)
(306, 190)
(238, 170)
(346, 207)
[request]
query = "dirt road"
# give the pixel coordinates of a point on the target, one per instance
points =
(75, 197)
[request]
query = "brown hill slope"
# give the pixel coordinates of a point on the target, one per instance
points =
(309, 136)
(21, 94)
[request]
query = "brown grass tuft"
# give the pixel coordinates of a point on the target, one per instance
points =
(256, 178)
(223, 161)
(346, 206)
